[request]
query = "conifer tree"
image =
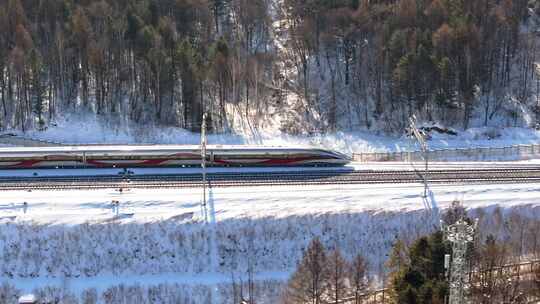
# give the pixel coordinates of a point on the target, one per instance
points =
(422, 280)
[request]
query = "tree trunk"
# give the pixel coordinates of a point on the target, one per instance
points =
(189, 95)
(2, 85)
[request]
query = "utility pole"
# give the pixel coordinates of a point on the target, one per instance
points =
(423, 147)
(537, 112)
(203, 161)
(460, 235)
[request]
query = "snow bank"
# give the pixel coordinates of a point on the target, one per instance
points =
(89, 129)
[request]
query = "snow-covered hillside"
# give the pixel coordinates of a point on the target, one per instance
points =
(87, 129)
(73, 240)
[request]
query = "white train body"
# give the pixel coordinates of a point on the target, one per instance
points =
(122, 156)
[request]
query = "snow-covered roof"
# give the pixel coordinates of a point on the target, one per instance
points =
(27, 299)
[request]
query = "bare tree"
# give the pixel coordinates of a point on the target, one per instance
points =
(536, 282)
(454, 213)
(493, 281)
(309, 282)
(359, 277)
(338, 280)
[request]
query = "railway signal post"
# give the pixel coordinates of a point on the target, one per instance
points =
(537, 70)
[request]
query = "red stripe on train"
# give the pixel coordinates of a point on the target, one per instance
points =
(277, 161)
(149, 162)
(25, 164)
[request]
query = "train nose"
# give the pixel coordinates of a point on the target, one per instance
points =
(343, 156)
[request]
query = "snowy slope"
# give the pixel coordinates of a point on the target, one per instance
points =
(72, 237)
(85, 129)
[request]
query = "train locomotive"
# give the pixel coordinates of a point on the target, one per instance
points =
(128, 156)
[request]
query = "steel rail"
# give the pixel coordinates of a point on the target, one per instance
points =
(265, 175)
(338, 177)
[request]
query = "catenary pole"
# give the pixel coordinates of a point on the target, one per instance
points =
(203, 162)
(423, 147)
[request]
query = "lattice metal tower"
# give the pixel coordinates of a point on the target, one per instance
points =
(460, 235)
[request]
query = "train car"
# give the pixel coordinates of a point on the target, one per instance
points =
(126, 156)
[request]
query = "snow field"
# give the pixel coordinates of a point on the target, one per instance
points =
(73, 247)
(146, 206)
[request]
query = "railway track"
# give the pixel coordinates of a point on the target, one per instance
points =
(326, 177)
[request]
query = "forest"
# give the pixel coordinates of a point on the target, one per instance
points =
(325, 64)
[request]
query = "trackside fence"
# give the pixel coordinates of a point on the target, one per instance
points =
(12, 140)
(517, 152)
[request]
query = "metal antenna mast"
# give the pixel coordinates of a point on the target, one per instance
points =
(203, 161)
(460, 235)
(423, 146)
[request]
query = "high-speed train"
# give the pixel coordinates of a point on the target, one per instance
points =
(124, 156)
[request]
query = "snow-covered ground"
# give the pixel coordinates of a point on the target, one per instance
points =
(86, 129)
(229, 205)
(81, 228)
(66, 242)
(163, 243)
(76, 239)
(74, 207)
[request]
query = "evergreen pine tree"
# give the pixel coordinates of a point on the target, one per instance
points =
(422, 280)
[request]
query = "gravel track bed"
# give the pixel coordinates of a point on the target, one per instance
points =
(339, 177)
